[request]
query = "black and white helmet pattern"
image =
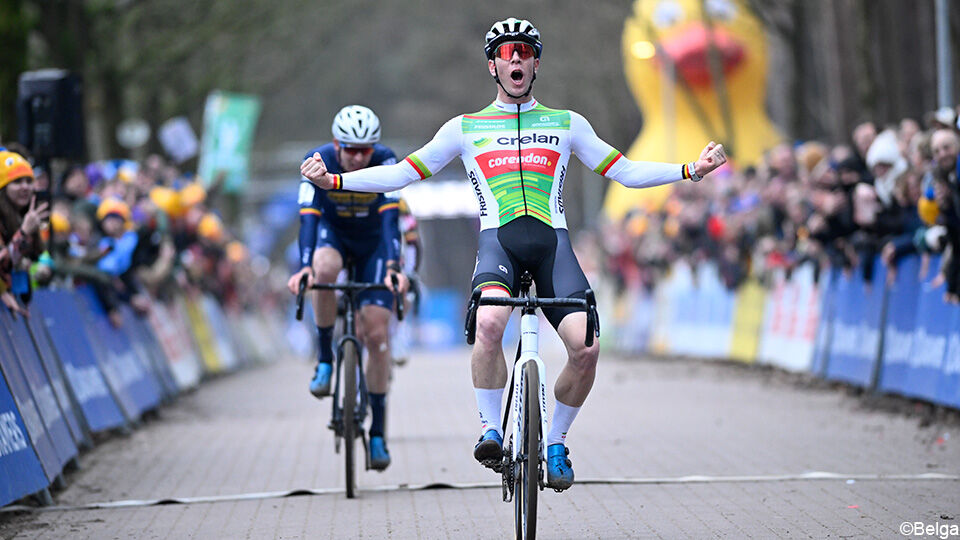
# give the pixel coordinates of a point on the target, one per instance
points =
(512, 30)
(356, 124)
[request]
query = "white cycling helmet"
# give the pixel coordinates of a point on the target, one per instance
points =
(512, 30)
(356, 124)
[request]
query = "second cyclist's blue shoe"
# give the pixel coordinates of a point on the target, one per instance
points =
(320, 384)
(489, 449)
(379, 455)
(559, 467)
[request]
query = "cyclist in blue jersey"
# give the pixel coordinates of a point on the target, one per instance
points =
(337, 226)
(515, 152)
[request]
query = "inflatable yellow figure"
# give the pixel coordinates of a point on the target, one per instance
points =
(672, 50)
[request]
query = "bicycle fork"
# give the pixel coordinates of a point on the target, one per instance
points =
(529, 352)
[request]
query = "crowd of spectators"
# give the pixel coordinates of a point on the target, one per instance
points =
(136, 233)
(891, 191)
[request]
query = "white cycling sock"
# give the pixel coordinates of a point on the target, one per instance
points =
(563, 416)
(488, 403)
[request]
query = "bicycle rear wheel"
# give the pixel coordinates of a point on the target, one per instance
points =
(528, 473)
(350, 361)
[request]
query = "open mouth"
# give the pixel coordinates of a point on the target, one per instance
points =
(516, 75)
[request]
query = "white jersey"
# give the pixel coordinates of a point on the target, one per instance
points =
(516, 167)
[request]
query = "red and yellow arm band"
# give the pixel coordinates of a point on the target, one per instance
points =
(337, 181)
(309, 211)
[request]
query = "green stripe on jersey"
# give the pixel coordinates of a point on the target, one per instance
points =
(606, 161)
(493, 119)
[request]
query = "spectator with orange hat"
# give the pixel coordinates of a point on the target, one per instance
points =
(21, 218)
(119, 246)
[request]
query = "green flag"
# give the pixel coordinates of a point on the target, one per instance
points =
(229, 121)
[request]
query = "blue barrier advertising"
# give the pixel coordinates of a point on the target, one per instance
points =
(821, 345)
(901, 324)
(135, 386)
(28, 409)
(929, 346)
(949, 391)
(64, 325)
(54, 371)
(40, 388)
(19, 466)
(147, 348)
(856, 327)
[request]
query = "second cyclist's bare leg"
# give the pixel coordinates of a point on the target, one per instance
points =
(327, 264)
(374, 333)
(489, 371)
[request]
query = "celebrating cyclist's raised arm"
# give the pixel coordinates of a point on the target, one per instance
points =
(607, 161)
(417, 166)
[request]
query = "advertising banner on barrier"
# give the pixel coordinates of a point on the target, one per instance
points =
(856, 327)
(145, 345)
(219, 332)
(747, 321)
(32, 420)
(631, 321)
(681, 333)
(54, 371)
(203, 335)
(828, 300)
(131, 383)
(791, 319)
(62, 319)
(928, 348)
(20, 468)
(948, 392)
(178, 346)
(900, 326)
(713, 313)
(44, 397)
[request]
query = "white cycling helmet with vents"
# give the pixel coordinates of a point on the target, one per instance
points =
(356, 124)
(509, 30)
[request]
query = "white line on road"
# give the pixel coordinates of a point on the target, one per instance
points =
(691, 479)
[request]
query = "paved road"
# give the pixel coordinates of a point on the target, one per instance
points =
(753, 436)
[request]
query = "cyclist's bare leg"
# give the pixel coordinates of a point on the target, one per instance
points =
(487, 363)
(327, 264)
(489, 372)
(374, 333)
(576, 378)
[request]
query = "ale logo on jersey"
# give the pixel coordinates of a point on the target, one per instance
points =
(483, 141)
(537, 160)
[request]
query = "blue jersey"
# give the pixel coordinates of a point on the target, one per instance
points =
(365, 218)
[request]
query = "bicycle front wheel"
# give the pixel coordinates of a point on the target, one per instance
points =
(349, 366)
(528, 472)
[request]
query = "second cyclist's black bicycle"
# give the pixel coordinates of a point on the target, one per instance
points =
(350, 395)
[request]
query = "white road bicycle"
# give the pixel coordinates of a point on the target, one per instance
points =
(524, 451)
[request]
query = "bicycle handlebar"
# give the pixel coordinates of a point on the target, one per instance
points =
(348, 286)
(589, 304)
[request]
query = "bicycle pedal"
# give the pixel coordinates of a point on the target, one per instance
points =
(493, 464)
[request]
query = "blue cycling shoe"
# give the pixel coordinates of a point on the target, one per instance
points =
(559, 467)
(320, 384)
(379, 455)
(489, 449)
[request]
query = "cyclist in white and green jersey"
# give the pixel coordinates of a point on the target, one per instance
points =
(515, 152)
